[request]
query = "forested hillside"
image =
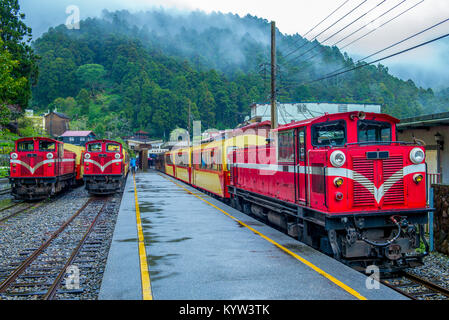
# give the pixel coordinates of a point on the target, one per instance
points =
(142, 71)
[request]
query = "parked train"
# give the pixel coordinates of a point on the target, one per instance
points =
(41, 167)
(105, 166)
(341, 183)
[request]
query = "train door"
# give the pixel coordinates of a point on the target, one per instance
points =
(300, 165)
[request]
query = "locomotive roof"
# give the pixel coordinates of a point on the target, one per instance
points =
(336, 116)
(103, 141)
(38, 138)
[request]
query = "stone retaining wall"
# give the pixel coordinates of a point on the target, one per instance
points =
(441, 218)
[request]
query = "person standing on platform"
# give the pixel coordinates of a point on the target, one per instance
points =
(132, 165)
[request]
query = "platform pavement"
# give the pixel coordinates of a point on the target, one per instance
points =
(195, 251)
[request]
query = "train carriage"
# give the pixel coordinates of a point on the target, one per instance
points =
(41, 167)
(105, 166)
(206, 166)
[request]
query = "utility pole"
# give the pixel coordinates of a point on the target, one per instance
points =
(274, 120)
(188, 124)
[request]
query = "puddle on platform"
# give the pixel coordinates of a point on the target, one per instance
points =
(155, 260)
(301, 248)
(149, 208)
(128, 240)
(179, 240)
(155, 277)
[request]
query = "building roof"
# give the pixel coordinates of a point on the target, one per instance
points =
(59, 114)
(425, 121)
(76, 133)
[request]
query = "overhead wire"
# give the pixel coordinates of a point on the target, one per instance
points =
(307, 42)
(304, 35)
(335, 33)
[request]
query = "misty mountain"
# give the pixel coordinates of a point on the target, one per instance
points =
(218, 62)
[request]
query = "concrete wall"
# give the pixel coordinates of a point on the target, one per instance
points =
(428, 135)
(441, 218)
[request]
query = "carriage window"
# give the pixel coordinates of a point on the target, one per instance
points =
(47, 145)
(112, 147)
(286, 150)
(25, 146)
(374, 131)
(329, 133)
(302, 144)
(94, 147)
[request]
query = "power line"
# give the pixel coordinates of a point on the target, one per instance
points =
(307, 42)
(397, 43)
(378, 60)
(372, 21)
(335, 33)
(320, 22)
(394, 18)
(313, 56)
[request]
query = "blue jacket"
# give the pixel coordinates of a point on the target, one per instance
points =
(133, 162)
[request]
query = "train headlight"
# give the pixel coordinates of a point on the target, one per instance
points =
(14, 156)
(50, 156)
(417, 155)
(338, 158)
(418, 178)
(117, 155)
(338, 182)
(339, 196)
(87, 156)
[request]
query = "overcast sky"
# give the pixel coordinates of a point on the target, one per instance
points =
(427, 66)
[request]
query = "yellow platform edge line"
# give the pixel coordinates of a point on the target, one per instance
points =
(303, 260)
(144, 273)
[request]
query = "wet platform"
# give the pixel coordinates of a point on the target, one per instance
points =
(196, 249)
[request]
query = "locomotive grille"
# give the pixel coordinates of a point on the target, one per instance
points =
(393, 167)
(363, 174)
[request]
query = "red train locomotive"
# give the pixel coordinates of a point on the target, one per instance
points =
(341, 183)
(40, 167)
(105, 166)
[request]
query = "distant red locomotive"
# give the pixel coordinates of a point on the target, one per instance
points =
(341, 183)
(40, 167)
(105, 166)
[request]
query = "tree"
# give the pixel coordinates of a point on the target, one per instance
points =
(10, 87)
(91, 75)
(83, 101)
(16, 37)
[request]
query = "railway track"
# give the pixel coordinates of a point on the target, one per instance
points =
(41, 274)
(5, 191)
(414, 287)
(8, 215)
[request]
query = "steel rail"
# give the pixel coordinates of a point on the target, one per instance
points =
(18, 211)
(415, 280)
(56, 283)
(21, 268)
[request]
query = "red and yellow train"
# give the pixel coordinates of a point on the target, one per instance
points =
(105, 166)
(41, 167)
(341, 183)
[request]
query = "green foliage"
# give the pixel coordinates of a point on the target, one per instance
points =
(91, 75)
(15, 37)
(125, 77)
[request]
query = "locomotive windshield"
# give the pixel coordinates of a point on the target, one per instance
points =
(374, 131)
(112, 147)
(47, 145)
(94, 147)
(329, 133)
(25, 146)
